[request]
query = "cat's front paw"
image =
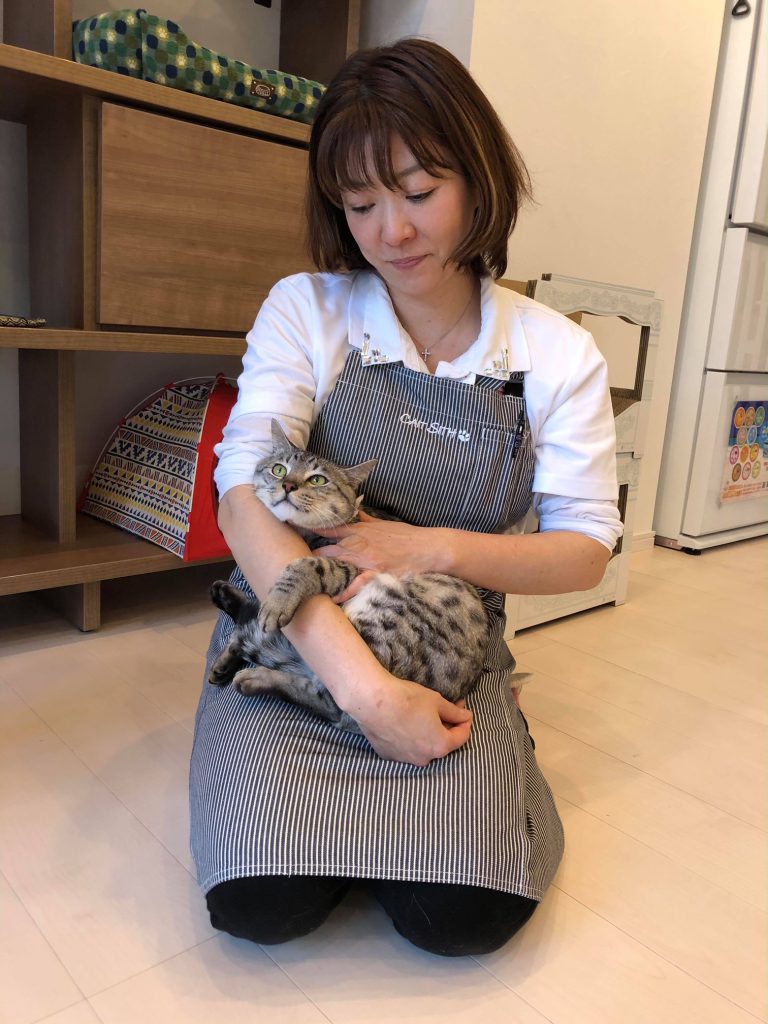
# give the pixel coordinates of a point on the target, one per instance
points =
(276, 611)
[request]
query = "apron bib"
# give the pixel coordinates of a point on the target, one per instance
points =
(276, 790)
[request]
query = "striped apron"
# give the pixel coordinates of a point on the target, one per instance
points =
(277, 790)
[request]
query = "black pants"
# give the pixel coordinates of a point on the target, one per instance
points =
(450, 920)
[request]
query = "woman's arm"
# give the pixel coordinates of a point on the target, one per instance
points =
(402, 720)
(555, 562)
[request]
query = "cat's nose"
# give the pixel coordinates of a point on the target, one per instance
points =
(288, 486)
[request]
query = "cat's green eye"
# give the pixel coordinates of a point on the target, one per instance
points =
(279, 470)
(318, 480)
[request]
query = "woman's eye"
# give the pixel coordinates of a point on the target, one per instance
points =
(278, 470)
(318, 480)
(419, 197)
(361, 209)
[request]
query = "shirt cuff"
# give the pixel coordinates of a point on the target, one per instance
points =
(597, 519)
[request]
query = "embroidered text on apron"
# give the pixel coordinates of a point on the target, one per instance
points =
(277, 790)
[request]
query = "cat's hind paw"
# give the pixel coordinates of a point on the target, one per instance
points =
(257, 679)
(220, 676)
(228, 598)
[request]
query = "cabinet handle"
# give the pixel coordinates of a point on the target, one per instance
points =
(740, 8)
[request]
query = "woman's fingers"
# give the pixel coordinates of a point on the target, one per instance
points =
(355, 586)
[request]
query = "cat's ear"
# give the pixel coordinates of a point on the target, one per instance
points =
(357, 475)
(279, 437)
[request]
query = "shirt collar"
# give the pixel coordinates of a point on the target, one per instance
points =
(500, 349)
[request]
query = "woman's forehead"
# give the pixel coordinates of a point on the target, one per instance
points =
(389, 163)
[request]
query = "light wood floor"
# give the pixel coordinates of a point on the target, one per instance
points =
(651, 723)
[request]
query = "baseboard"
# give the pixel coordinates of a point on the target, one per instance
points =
(643, 541)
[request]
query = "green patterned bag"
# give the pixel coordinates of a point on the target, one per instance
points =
(111, 41)
(132, 42)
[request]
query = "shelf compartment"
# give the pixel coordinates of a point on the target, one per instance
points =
(71, 340)
(32, 560)
(29, 79)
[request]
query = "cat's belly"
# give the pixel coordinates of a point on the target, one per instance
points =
(376, 593)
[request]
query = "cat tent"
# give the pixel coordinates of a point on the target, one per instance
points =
(154, 477)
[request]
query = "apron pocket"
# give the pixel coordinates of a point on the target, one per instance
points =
(492, 497)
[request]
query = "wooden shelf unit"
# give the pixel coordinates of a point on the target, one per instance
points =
(119, 341)
(74, 173)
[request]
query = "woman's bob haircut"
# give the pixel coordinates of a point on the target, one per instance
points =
(419, 91)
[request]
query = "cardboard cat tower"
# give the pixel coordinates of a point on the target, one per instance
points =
(154, 476)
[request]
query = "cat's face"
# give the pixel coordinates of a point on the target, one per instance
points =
(304, 490)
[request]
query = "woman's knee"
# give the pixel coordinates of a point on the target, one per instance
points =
(454, 920)
(270, 909)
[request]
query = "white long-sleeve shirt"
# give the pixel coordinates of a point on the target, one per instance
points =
(309, 322)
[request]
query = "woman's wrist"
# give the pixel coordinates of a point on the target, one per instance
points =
(342, 659)
(445, 548)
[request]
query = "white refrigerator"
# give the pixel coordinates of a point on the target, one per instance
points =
(713, 487)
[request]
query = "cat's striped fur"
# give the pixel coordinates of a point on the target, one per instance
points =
(429, 628)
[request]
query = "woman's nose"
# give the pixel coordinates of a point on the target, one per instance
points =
(397, 228)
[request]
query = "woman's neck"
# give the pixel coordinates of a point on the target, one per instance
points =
(442, 325)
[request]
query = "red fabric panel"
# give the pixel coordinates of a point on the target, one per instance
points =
(204, 538)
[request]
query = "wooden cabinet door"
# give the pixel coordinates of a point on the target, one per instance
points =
(195, 224)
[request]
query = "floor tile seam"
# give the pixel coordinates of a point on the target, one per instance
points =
(296, 985)
(131, 688)
(642, 771)
(105, 785)
(641, 716)
(658, 954)
(146, 970)
(714, 592)
(171, 721)
(45, 938)
(119, 686)
(668, 650)
(668, 857)
(635, 941)
(646, 675)
(707, 707)
(513, 990)
(694, 633)
(83, 1002)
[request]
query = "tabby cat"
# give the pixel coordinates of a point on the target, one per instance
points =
(430, 628)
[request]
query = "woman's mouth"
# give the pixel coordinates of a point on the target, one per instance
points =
(407, 264)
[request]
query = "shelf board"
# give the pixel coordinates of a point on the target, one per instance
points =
(31, 560)
(118, 341)
(28, 78)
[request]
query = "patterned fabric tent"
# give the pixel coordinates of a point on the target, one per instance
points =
(154, 478)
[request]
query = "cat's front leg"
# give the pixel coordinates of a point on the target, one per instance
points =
(299, 580)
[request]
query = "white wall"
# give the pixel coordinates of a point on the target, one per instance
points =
(448, 22)
(609, 104)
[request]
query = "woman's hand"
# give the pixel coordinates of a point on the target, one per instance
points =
(383, 545)
(404, 721)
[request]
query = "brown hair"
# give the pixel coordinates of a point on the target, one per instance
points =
(421, 92)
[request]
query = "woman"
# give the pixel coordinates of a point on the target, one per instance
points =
(477, 402)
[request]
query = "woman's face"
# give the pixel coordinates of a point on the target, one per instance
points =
(408, 235)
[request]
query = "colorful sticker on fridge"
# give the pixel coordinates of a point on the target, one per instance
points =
(746, 465)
